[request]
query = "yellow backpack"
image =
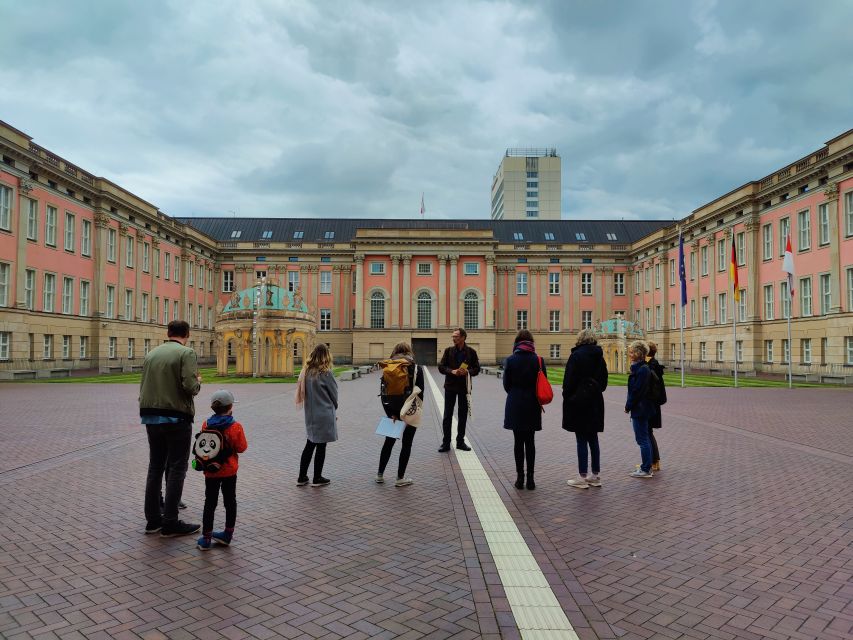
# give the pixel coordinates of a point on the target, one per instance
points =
(395, 377)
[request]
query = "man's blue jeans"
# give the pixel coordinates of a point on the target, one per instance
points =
(641, 434)
(169, 450)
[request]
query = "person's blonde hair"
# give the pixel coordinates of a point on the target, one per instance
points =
(586, 336)
(653, 347)
(638, 346)
(402, 349)
(319, 361)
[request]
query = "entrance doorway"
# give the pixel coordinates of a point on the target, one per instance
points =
(426, 351)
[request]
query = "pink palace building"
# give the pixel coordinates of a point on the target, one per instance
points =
(90, 274)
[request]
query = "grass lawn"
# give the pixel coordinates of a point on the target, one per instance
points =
(208, 375)
(690, 380)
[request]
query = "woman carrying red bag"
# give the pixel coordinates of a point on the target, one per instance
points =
(523, 412)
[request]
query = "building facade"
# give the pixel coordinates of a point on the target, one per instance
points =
(90, 274)
(527, 185)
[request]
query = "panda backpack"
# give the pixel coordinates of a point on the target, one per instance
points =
(211, 448)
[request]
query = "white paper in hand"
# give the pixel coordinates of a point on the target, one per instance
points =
(390, 428)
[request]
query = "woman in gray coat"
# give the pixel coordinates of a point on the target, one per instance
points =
(319, 392)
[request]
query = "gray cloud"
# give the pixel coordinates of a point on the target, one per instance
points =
(283, 108)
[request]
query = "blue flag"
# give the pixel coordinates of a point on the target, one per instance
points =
(681, 275)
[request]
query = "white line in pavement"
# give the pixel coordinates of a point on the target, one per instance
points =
(537, 612)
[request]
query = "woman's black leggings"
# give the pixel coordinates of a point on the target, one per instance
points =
(525, 447)
(408, 436)
(319, 459)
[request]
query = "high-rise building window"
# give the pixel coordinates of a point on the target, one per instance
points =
(471, 311)
(424, 310)
(377, 310)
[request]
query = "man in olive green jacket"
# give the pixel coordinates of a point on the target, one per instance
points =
(170, 381)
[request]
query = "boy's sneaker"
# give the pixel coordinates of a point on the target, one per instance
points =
(380, 479)
(578, 483)
(222, 537)
(301, 482)
(320, 482)
(152, 527)
(180, 528)
(403, 482)
(639, 473)
(203, 543)
(593, 481)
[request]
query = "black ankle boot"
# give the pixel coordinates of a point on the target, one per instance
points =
(530, 484)
(519, 483)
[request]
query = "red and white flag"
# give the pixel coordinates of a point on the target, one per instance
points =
(788, 266)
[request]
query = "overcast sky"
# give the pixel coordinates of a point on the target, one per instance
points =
(353, 109)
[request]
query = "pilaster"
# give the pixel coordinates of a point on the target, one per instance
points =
(407, 290)
(835, 226)
(490, 291)
(454, 290)
(442, 291)
(359, 290)
(395, 291)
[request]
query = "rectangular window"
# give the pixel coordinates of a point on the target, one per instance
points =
(227, 281)
(646, 276)
(586, 320)
(586, 284)
(156, 263)
(131, 346)
(292, 280)
(722, 263)
(768, 302)
(693, 321)
(521, 319)
(658, 317)
(325, 282)
(111, 302)
(113, 348)
(50, 216)
(706, 312)
(703, 253)
(190, 273)
(619, 284)
(825, 294)
(176, 274)
(850, 289)
(176, 309)
(189, 316)
(741, 306)
(377, 268)
(30, 289)
(66, 347)
(144, 307)
(824, 349)
(767, 242)
(84, 298)
(32, 219)
(146, 346)
(768, 351)
(69, 231)
(804, 231)
(67, 295)
(648, 319)
(86, 238)
(325, 319)
(848, 349)
(692, 265)
(261, 275)
(5, 270)
(377, 311)
(554, 283)
(786, 351)
(823, 223)
(784, 299)
(740, 249)
(111, 245)
(199, 316)
(720, 351)
(200, 279)
(553, 321)
(471, 269)
(5, 208)
(848, 214)
(146, 257)
(721, 306)
(424, 269)
(672, 323)
(671, 272)
(784, 230)
(521, 283)
(47, 347)
(128, 304)
(166, 311)
(49, 292)
(806, 350)
(657, 275)
(167, 266)
(554, 351)
(703, 351)
(83, 353)
(128, 252)
(805, 297)
(739, 350)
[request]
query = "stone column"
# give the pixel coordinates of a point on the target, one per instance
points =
(831, 193)
(315, 290)
(137, 281)
(121, 260)
(18, 269)
(99, 247)
(544, 315)
(576, 294)
(490, 291)
(454, 290)
(359, 290)
(500, 295)
(696, 285)
(395, 291)
(407, 290)
(512, 288)
(185, 256)
(607, 293)
(153, 309)
(597, 277)
(566, 295)
(346, 286)
(533, 296)
(442, 291)
(337, 288)
(752, 239)
(712, 276)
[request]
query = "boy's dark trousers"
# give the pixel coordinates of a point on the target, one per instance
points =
(169, 451)
(450, 397)
(211, 498)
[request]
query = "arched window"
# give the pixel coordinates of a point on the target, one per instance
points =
(424, 310)
(471, 311)
(377, 310)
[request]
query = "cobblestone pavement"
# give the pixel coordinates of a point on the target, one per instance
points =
(746, 533)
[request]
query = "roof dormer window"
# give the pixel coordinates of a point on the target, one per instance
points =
(266, 235)
(236, 234)
(581, 237)
(298, 235)
(517, 236)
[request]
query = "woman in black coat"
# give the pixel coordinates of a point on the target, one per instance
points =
(523, 413)
(584, 382)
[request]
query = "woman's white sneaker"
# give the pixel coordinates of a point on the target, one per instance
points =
(578, 483)
(593, 481)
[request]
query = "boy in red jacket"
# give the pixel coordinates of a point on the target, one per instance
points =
(221, 474)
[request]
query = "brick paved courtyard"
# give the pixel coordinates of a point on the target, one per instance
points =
(746, 533)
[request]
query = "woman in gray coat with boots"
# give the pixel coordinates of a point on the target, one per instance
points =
(523, 413)
(318, 391)
(584, 382)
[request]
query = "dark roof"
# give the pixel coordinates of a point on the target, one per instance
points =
(565, 231)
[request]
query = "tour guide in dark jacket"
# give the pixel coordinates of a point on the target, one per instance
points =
(456, 382)
(170, 381)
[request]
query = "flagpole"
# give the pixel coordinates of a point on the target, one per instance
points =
(790, 346)
(682, 347)
(734, 335)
